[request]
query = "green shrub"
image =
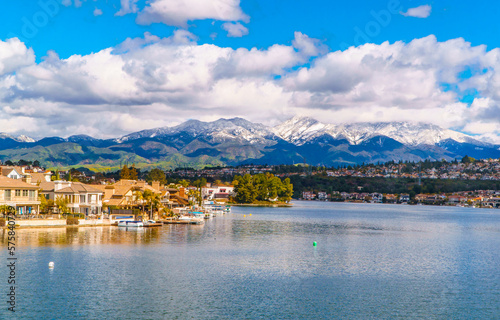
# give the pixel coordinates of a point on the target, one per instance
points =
(72, 221)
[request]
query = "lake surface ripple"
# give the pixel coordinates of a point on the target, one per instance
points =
(371, 262)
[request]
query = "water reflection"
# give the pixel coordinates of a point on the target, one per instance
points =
(370, 262)
(71, 236)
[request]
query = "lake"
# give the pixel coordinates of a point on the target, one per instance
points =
(372, 261)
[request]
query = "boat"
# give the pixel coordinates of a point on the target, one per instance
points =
(191, 219)
(131, 224)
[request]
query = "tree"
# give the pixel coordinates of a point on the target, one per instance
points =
(468, 159)
(199, 184)
(56, 176)
(156, 175)
(185, 183)
(6, 209)
(153, 199)
(61, 204)
(125, 173)
(286, 190)
(245, 189)
(36, 163)
(133, 173)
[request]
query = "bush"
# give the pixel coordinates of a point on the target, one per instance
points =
(2, 222)
(72, 221)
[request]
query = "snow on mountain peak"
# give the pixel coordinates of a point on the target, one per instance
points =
(300, 130)
(21, 138)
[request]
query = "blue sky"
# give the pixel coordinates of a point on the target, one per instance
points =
(154, 63)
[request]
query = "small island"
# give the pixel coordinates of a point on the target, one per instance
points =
(263, 189)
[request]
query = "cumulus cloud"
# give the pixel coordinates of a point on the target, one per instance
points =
(419, 12)
(127, 6)
(179, 12)
(151, 81)
(236, 30)
(13, 55)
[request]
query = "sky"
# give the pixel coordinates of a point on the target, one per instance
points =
(106, 68)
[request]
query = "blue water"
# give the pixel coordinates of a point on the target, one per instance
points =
(371, 261)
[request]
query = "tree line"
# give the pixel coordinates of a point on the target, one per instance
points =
(262, 188)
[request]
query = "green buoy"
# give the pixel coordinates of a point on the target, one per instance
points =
(314, 243)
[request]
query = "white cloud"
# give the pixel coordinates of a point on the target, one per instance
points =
(308, 46)
(97, 12)
(152, 81)
(127, 6)
(419, 12)
(13, 55)
(179, 12)
(235, 29)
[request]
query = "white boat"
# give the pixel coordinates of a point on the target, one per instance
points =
(191, 219)
(131, 224)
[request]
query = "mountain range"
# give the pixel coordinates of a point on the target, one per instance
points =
(238, 141)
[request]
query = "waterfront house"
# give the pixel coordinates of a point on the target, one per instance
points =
(216, 192)
(322, 195)
(308, 195)
(125, 194)
(20, 195)
(376, 197)
(80, 197)
(404, 198)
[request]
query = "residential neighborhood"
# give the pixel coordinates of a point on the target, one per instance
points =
(478, 198)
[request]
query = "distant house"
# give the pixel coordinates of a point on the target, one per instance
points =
(391, 198)
(376, 197)
(404, 197)
(322, 195)
(308, 195)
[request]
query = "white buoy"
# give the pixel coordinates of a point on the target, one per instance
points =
(51, 264)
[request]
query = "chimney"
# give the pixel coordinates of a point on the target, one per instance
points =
(27, 178)
(182, 192)
(156, 185)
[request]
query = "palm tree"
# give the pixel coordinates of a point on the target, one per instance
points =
(153, 199)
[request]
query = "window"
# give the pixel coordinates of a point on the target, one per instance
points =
(7, 195)
(25, 193)
(82, 199)
(32, 195)
(18, 193)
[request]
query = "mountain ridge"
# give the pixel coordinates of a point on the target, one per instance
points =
(236, 141)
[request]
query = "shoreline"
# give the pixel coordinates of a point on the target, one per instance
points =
(273, 205)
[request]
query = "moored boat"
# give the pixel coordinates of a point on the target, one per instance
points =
(131, 224)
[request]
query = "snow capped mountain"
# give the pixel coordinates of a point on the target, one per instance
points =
(21, 138)
(300, 130)
(218, 131)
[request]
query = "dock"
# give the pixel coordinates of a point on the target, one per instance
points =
(173, 221)
(157, 224)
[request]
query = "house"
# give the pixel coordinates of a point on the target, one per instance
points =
(125, 193)
(20, 195)
(376, 197)
(322, 195)
(12, 172)
(308, 195)
(404, 197)
(81, 197)
(391, 198)
(216, 192)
